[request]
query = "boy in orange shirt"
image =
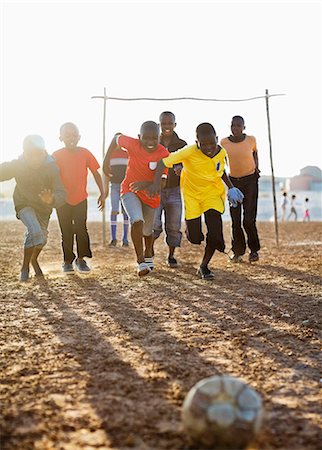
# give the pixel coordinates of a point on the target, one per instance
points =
(244, 174)
(74, 162)
(139, 192)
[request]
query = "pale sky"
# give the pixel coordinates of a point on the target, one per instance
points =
(56, 55)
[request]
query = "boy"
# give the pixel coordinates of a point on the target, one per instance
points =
(118, 165)
(306, 211)
(284, 205)
(139, 192)
(204, 191)
(171, 202)
(38, 189)
(293, 209)
(74, 162)
(244, 174)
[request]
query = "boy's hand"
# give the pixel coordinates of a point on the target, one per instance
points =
(46, 196)
(153, 190)
(137, 186)
(235, 196)
(101, 202)
(177, 169)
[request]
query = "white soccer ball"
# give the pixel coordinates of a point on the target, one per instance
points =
(222, 412)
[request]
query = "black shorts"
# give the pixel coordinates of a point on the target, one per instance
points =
(214, 238)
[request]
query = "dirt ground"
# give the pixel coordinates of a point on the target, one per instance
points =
(104, 361)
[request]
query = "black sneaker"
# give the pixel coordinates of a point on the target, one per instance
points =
(236, 259)
(113, 243)
(68, 267)
(205, 274)
(125, 244)
(253, 257)
(172, 262)
(82, 266)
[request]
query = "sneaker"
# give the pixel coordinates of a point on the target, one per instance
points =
(113, 243)
(236, 259)
(125, 244)
(205, 274)
(82, 266)
(172, 262)
(143, 269)
(68, 267)
(149, 263)
(253, 257)
(24, 275)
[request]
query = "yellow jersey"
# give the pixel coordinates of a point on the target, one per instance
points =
(201, 182)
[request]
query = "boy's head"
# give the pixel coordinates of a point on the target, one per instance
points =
(293, 197)
(206, 139)
(69, 135)
(284, 194)
(167, 123)
(149, 135)
(34, 151)
(237, 125)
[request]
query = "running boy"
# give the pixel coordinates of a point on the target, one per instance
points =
(38, 189)
(118, 165)
(204, 191)
(171, 203)
(244, 173)
(139, 192)
(74, 162)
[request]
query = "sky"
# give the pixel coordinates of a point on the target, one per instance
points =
(56, 55)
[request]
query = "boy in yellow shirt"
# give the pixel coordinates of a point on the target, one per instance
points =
(204, 191)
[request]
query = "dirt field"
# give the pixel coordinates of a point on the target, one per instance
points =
(104, 361)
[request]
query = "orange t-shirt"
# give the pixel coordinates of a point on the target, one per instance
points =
(241, 156)
(141, 167)
(73, 166)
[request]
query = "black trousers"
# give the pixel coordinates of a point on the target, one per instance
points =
(72, 221)
(249, 187)
(214, 238)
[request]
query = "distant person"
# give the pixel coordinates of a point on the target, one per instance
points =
(118, 166)
(204, 192)
(293, 209)
(244, 174)
(284, 204)
(139, 192)
(171, 204)
(306, 211)
(74, 162)
(38, 190)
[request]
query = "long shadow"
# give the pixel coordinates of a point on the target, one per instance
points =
(227, 309)
(291, 273)
(124, 401)
(190, 364)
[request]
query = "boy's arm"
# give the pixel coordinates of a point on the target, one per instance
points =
(227, 180)
(255, 156)
(7, 170)
(99, 182)
(234, 195)
(106, 163)
(58, 191)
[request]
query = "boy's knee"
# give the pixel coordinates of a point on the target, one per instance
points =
(195, 239)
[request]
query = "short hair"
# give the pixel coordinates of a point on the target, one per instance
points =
(67, 124)
(204, 129)
(239, 118)
(167, 113)
(149, 125)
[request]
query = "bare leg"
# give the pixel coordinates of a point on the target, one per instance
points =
(27, 254)
(148, 246)
(35, 263)
(171, 251)
(137, 239)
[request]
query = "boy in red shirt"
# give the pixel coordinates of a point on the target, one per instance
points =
(138, 190)
(74, 162)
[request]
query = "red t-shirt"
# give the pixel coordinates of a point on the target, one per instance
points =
(141, 167)
(73, 166)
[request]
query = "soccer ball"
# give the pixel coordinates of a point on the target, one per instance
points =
(222, 412)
